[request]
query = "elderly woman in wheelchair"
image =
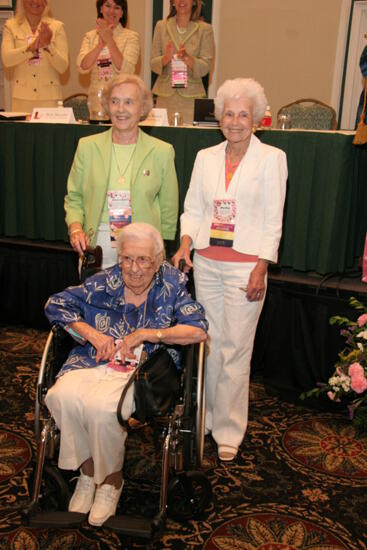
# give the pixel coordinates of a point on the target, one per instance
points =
(141, 301)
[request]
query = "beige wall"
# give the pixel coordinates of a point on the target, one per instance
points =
(288, 45)
(79, 16)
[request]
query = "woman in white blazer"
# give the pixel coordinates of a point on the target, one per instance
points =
(35, 48)
(107, 51)
(233, 219)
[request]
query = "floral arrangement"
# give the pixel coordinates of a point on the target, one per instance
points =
(348, 384)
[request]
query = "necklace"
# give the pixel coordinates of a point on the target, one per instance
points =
(121, 179)
(181, 31)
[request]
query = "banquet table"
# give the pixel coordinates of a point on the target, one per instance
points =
(325, 219)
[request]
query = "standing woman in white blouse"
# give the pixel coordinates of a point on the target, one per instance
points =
(107, 50)
(233, 219)
(35, 48)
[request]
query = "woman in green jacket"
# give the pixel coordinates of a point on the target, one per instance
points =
(122, 175)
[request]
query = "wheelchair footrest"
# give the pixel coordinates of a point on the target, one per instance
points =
(126, 525)
(130, 525)
(56, 519)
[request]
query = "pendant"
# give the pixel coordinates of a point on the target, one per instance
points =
(121, 180)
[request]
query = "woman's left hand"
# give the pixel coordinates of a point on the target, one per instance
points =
(45, 35)
(255, 290)
(185, 57)
(105, 31)
(129, 343)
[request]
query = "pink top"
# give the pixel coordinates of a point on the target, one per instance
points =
(222, 253)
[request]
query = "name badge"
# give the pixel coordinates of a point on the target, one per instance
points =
(119, 212)
(104, 64)
(223, 223)
(178, 73)
(129, 364)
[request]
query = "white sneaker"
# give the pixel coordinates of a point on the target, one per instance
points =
(83, 496)
(105, 503)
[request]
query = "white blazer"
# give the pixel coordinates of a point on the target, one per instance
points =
(259, 187)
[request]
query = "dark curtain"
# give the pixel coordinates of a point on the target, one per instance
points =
(295, 346)
(28, 277)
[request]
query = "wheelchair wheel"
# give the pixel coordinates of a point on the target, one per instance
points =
(188, 495)
(194, 412)
(55, 491)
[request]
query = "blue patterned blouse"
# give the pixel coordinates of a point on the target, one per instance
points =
(100, 303)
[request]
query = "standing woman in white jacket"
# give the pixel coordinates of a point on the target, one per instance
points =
(233, 219)
(35, 47)
(106, 51)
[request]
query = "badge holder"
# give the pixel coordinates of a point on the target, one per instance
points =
(178, 73)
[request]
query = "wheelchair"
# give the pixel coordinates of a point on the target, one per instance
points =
(185, 491)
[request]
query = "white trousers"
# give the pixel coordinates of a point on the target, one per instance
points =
(83, 404)
(232, 327)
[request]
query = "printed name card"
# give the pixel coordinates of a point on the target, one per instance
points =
(156, 117)
(60, 115)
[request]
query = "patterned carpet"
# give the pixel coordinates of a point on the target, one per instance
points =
(299, 481)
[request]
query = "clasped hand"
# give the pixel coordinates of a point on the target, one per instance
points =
(105, 31)
(43, 39)
(183, 256)
(181, 53)
(106, 347)
(79, 240)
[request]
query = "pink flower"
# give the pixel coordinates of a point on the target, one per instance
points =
(362, 320)
(355, 369)
(331, 395)
(358, 383)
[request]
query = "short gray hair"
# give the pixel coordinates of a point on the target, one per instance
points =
(140, 231)
(238, 88)
(146, 94)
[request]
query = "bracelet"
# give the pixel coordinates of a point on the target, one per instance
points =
(75, 231)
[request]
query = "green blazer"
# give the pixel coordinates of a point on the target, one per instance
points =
(154, 189)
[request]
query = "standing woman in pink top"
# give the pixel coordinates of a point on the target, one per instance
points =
(233, 219)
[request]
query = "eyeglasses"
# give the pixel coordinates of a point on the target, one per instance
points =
(143, 262)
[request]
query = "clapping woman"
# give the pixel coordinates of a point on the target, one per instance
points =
(183, 36)
(107, 50)
(34, 46)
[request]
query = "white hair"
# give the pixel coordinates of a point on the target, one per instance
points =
(138, 232)
(241, 88)
(20, 13)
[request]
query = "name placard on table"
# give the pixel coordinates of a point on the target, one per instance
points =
(60, 115)
(156, 117)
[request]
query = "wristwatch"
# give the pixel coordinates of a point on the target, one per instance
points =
(159, 335)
